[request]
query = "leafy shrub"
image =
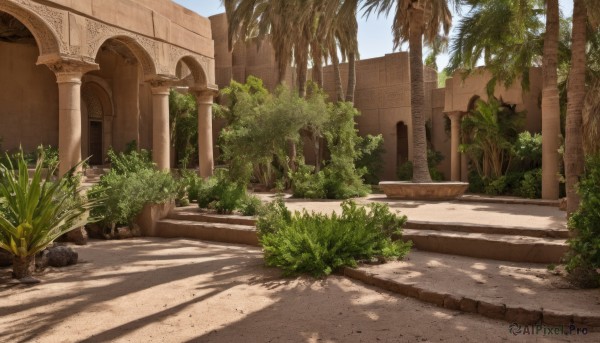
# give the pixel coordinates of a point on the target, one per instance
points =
(306, 184)
(250, 205)
(370, 160)
(221, 194)
(528, 150)
(126, 194)
(584, 256)
(130, 162)
(319, 244)
(531, 184)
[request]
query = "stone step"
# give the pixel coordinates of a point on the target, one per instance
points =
(217, 232)
(492, 246)
(489, 229)
(507, 200)
(523, 293)
(195, 214)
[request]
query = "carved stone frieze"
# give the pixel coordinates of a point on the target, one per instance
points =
(142, 47)
(45, 23)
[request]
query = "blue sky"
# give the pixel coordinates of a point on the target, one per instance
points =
(374, 35)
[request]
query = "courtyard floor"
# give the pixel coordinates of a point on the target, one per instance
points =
(176, 290)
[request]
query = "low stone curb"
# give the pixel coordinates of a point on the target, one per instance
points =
(510, 201)
(519, 315)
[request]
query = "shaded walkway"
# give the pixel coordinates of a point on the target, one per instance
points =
(155, 290)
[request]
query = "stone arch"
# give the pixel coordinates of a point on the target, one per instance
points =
(97, 119)
(47, 40)
(197, 71)
(472, 103)
(141, 53)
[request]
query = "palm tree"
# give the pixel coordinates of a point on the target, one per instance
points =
(261, 19)
(574, 159)
(413, 21)
(508, 35)
(550, 103)
(505, 34)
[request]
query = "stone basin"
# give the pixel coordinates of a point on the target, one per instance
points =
(436, 191)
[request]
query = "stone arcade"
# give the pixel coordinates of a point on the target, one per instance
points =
(87, 75)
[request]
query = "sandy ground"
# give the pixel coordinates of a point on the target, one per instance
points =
(527, 216)
(159, 290)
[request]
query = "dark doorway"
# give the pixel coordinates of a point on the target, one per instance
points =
(95, 148)
(402, 143)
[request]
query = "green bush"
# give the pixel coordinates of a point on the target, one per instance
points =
(531, 184)
(528, 150)
(126, 194)
(220, 193)
(370, 160)
(585, 224)
(319, 244)
(130, 162)
(250, 205)
(306, 184)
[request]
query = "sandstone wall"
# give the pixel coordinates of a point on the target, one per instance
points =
(28, 99)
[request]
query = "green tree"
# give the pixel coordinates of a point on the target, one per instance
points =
(415, 20)
(491, 131)
(183, 115)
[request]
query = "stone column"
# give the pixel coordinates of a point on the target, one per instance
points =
(205, 138)
(455, 158)
(161, 140)
(68, 77)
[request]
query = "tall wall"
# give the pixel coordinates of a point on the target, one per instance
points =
(28, 99)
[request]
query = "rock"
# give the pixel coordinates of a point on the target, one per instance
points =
(62, 256)
(95, 230)
(42, 259)
(5, 258)
(136, 231)
(124, 232)
(28, 280)
(77, 236)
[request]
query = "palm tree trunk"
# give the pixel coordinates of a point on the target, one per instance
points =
(339, 89)
(22, 267)
(417, 97)
(282, 75)
(302, 70)
(351, 77)
(550, 104)
(574, 160)
(317, 68)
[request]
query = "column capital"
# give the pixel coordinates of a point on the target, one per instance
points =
(205, 95)
(71, 71)
(160, 86)
(454, 115)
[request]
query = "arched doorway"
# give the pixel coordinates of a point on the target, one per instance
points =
(97, 111)
(401, 143)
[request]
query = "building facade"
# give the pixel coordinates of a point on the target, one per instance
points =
(86, 75)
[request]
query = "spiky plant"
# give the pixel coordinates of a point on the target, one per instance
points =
(37, 210)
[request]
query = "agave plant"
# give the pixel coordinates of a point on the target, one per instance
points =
(36, 210)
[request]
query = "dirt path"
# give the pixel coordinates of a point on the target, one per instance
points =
(155, 290)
